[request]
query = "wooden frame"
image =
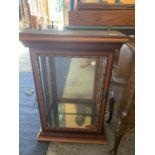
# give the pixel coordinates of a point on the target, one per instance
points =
(35, 53)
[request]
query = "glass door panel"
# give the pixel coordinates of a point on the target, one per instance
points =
(72, 88)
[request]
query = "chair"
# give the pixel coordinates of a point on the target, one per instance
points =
(123, 76)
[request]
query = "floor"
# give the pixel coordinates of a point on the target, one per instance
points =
(127, 145)
(29, 122)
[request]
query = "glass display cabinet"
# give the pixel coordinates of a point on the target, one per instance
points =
(72, 70)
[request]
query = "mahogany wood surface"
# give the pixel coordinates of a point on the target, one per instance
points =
(73, 36)
(73, 39)
(102, 18)
(75, 138)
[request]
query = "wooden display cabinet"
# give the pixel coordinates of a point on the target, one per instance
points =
(72, 70)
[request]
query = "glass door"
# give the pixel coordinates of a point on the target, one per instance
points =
(72, 88)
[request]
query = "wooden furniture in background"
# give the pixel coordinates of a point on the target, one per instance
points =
(102, 15)
(103, 6)
(47, 46)
(124, 76)
(102, 18)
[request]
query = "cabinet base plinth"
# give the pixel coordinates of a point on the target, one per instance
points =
(43, 136)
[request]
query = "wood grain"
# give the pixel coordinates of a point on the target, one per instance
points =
(71, 139)
(76, 39)
(102, 18)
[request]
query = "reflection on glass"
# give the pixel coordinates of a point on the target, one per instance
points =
(75, 78)
(71, 90)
